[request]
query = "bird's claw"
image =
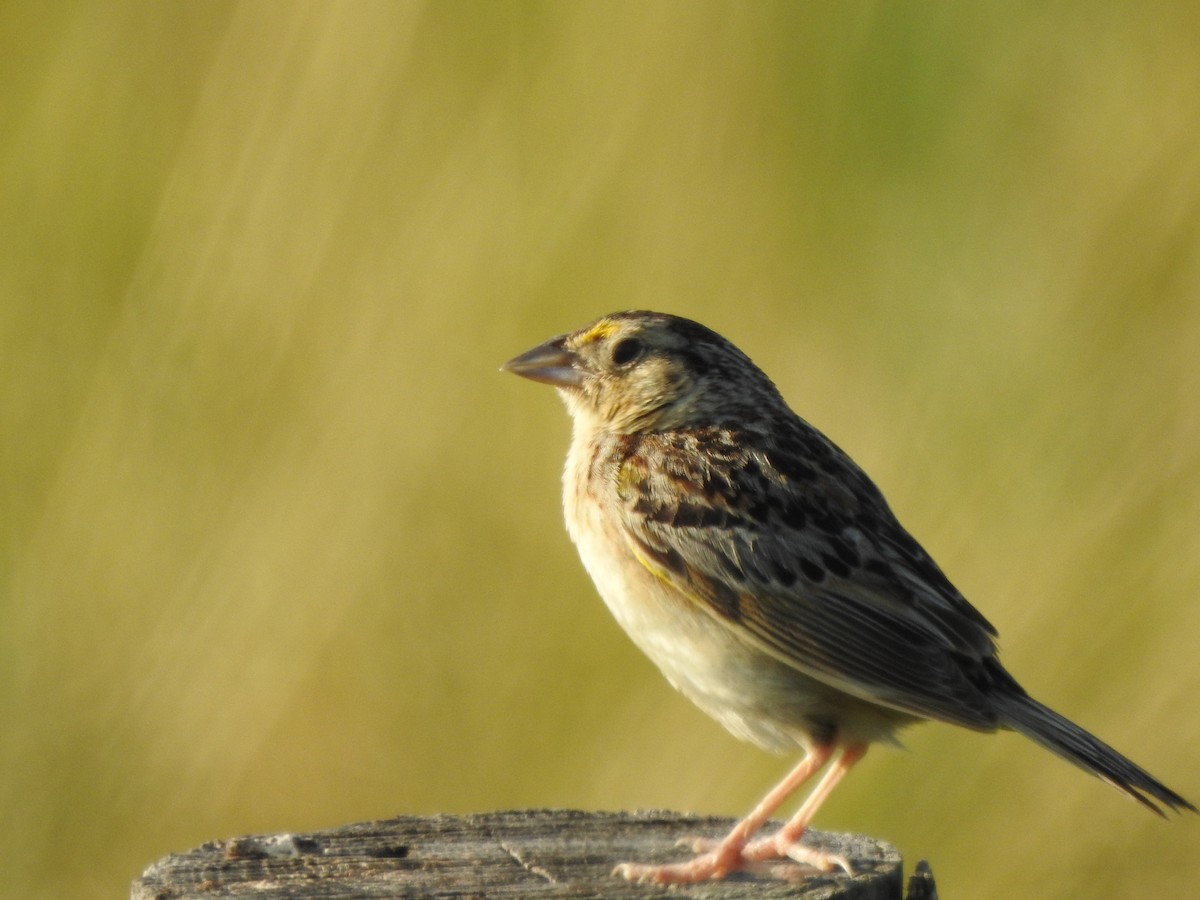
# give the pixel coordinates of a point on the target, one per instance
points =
(766, 858)
(774, 847)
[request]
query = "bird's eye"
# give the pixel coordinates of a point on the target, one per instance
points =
(626, 351)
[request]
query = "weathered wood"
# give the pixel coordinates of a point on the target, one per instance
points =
(537, 853)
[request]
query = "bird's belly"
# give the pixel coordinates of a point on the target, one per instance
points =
(756, 696)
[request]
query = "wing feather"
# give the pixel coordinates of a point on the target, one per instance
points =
(789, 543)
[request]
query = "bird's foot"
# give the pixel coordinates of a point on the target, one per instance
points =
(765, 858)
(712, 865)
(782, 846)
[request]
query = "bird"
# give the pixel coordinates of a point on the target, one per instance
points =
(763, 572)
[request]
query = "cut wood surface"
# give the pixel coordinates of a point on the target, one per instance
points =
(534, 853)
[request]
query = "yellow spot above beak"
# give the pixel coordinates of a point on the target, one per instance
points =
(597, 332)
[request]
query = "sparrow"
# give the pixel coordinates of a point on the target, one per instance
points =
(765, 575)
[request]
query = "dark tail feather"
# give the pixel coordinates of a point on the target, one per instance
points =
(1039, 723)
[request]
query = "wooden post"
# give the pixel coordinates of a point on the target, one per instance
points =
(536, 853)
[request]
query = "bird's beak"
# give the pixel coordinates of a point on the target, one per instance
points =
(549, 363)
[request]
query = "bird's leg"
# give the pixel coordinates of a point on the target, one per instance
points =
(786, 841)
(728, 855)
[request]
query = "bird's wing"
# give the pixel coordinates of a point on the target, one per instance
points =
(789, 543)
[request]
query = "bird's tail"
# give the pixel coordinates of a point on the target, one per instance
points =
(1039, 723)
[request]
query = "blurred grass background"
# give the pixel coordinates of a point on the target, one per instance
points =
(279, 547)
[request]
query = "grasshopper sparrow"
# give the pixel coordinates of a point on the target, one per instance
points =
(763, 572)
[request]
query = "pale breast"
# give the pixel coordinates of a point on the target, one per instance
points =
(753, 694)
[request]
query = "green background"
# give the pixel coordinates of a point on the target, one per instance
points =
(281, 549)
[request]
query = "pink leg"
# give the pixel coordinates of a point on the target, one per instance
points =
(786, 841)
(728, 855)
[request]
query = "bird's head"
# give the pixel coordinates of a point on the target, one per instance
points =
(635, 372)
